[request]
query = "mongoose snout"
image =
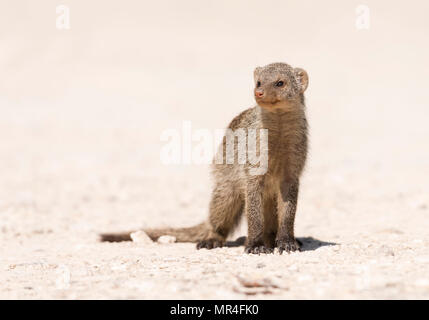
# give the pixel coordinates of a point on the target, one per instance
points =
(259, 93)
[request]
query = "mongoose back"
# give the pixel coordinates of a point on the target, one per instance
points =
(269, 200)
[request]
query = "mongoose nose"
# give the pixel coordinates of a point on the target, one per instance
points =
(259, 93)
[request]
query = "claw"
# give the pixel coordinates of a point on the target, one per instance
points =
(288, 246)
(209, 244)
(258, 249)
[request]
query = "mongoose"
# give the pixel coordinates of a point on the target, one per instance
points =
(270, 199)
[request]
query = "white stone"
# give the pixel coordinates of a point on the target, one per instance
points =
(140, 237)
(166, 239)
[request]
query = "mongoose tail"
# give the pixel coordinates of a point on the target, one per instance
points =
(191, 234)
(115, 237)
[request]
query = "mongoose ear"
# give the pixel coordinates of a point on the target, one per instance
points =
(302, 78)
(256, 72)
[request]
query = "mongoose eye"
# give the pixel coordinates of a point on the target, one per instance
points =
(279, 84)
(258, 84)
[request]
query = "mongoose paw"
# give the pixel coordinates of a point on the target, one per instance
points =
(209, 244)
(258, 249)
(288, 245)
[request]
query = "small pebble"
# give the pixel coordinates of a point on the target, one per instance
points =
(166, 239)
(140, 237)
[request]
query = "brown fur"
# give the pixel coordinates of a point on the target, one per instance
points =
(269, 200)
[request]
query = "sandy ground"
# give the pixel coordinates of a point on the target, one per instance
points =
(81, 116)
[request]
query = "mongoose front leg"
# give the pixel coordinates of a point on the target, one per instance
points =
(255, 218)
(270, 221)
(287, 202)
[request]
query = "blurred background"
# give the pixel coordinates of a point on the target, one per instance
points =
(100, 93)
(82, 110)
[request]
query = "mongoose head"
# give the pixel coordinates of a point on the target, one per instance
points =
(278, 86)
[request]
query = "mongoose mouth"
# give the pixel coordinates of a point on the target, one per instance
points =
(277, 105)
(267, 104)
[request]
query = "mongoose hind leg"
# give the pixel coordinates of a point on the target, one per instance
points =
(226, 207)
(286, 204)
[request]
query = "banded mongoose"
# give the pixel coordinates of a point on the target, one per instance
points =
(269, 200)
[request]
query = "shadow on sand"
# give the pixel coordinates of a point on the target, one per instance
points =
(307, 243)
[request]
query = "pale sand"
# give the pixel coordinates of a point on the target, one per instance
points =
(81, 117)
